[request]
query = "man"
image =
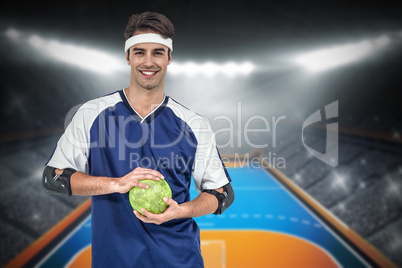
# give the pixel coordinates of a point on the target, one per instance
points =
(139, 133)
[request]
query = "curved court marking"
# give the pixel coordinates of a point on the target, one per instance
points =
(268, 249)
(81, 259)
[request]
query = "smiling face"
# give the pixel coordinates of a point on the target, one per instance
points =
(148, 63)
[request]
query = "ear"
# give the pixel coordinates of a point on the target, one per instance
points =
(169, 58)
(128, 57)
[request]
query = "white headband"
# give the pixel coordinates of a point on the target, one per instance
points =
(148, 38)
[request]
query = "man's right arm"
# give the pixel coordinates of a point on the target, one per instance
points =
(83, 184)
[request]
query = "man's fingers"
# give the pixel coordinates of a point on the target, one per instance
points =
(170, 201)
(136, 181)
(136, 178)
(146, 213)
(149, 217)
(150, 177)
(141, 217)
(167, 200)
(147, 172)
(158, 219)
(142, 185)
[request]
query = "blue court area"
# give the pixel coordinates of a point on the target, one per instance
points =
(262, 204)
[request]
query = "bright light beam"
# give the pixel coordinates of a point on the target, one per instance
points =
(81, 56)
(339, 181)
(86, 58)
(211, 69)
(12, 33)
(325, 59)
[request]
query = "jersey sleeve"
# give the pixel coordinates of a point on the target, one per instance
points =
(72, 149)
(209, 171)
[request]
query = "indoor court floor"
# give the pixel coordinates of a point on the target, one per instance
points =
(272, 223)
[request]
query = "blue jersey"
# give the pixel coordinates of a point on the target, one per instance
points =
(106, 137)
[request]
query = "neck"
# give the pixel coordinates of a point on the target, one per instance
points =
(144, 101)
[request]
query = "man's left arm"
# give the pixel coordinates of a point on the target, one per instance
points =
(205, 203)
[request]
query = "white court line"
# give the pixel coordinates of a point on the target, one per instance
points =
(222, 242)
(206, 224)
(312, 213)
(61, 243)
(273, 188)
(270, 216)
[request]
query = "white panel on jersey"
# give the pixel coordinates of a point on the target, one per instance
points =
(73, 147)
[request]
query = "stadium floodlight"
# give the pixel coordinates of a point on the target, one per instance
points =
(328, 58)
(84, 57)
(394, 188)
(339, 181)
(12, 33)
(211, 69)
(382, 41)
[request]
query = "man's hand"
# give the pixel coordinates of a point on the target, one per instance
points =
(83, 184)
(124, 184)
(172, 212)
(203, 204)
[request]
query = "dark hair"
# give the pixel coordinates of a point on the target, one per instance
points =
(153, 21)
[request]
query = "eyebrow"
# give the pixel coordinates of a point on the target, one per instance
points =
(156, 49)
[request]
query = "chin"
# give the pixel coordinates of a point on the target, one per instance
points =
(148, 87)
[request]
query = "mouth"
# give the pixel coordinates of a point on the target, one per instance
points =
(148, 73)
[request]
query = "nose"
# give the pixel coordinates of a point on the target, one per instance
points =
(148, 60)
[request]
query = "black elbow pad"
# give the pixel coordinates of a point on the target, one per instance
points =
(225, 199)
(57, 184)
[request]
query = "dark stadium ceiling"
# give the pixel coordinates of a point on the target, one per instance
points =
(212, 29)
(264, 33)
